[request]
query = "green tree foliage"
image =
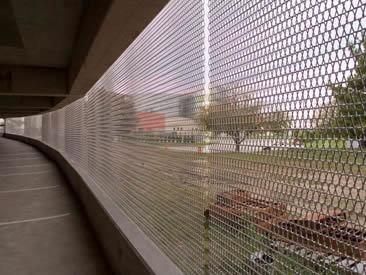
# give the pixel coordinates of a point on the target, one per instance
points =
(349, 118)
(239, 116)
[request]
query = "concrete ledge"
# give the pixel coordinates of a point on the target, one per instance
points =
(127, 248)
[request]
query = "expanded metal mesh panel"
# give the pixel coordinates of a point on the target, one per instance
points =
(233, 133)
(285, 101)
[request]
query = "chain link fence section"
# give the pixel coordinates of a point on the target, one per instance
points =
(233, 133)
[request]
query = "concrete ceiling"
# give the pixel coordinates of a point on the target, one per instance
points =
(53, 51)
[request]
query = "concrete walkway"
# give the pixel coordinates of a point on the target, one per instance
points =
(42, 228)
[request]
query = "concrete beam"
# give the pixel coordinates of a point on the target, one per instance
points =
(19, 113)
(107, 28)
(92, 20)
(32, 81)
(106, 31)
(27, 102)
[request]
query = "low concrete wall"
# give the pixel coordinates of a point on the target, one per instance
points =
(127, 248)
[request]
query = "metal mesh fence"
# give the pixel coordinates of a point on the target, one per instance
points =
(233, 133)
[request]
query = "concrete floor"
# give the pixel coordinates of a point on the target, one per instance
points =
(42, 228)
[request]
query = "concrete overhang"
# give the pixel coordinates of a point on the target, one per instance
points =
(53, 51)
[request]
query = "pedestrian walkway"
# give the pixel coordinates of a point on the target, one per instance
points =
(43, 230)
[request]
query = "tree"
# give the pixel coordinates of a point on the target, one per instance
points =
(238, 116)
(349, 117)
